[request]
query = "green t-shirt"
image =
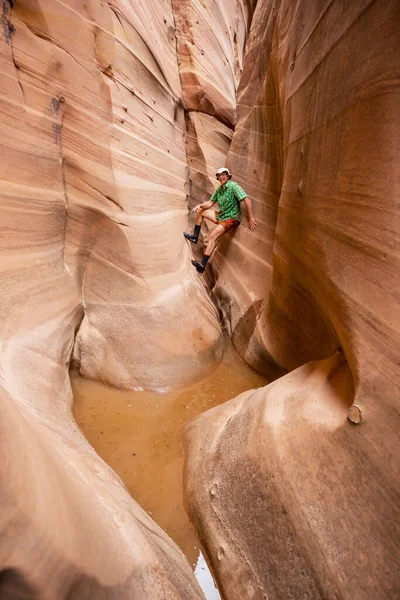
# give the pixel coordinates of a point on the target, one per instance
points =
(229, 198)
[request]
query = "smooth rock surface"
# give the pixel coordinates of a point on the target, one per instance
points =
(294, 488)
(93, 168)
(211, 39)
(287, 495)
(315, 149)
(102, 82)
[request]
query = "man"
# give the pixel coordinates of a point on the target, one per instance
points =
(229, 195)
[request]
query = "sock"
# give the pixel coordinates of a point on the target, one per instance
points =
(197, 230)
(204, 261)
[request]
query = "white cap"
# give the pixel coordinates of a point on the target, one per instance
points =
(222, 170)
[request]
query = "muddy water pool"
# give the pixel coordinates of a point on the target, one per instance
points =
(138, 435)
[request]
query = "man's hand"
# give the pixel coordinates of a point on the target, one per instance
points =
(252, 221)
(197, 208)
(252, 224)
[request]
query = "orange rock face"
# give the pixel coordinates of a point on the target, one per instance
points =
(210, 44)
(94, 201)
(293, 493)
(123, 189)
(322, 260)
(114, 118)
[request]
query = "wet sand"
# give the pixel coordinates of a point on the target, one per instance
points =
(138, 435)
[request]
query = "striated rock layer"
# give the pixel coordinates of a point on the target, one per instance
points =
(94, 181)
(291, 498)
(314, 149)
(211, 39)
(110, 125)
(137, 276)
(102, 83)
(210, 46)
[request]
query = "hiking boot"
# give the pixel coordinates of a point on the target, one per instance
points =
(192, 238)
(195, 237)
(201, 266)
(198, 266)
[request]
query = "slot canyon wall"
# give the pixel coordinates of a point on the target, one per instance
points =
(113, 118)
(294, 488)
(94, 186)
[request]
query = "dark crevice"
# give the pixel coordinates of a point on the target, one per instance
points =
(225, 122)
(114, 202)
(8, 31)
(14, 586)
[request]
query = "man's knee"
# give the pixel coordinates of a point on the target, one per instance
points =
(218, 232)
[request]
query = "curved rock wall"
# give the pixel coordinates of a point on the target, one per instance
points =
(109, 126)
(138, 277)
(211, 38)
(314, 149)
(104, 84)
(291, 498)
(211, 41)
(94, 200)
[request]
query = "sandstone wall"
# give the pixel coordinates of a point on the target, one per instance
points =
(211, 42)
(314, 148)
(137, 277)
(109, 126)
(291, 498)
(211, 39)
(104, 79)
(94, 181)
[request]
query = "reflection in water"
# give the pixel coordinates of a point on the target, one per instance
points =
(205, 579)
(138, 434)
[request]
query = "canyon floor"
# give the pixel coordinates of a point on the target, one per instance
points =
(138, 433)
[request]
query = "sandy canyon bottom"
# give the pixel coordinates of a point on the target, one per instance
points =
(139, 435)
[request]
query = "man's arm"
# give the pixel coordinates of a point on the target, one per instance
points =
(252, 221)
(203, 206)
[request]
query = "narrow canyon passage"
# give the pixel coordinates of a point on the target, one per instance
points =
(139, 435)
(114, 118)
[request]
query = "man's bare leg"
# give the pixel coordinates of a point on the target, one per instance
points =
(215, 236)
(214, 251)
(208, 214)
